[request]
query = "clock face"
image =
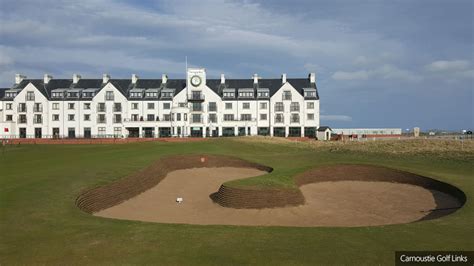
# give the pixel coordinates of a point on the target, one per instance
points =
(195, 80)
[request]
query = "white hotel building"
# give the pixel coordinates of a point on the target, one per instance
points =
(196, 106)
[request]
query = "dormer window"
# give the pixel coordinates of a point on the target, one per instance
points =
(89, 93)
(136, 93)
(228, 93)
(10, 94)
(58, 94)
(152, 93)
(263, 93)
(309, 93)
(246, 93)
(73, 94)
(167, 94)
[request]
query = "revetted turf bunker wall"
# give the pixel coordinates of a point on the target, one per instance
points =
(347, 172)
(109, 195)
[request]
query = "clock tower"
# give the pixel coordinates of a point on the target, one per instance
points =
(196, 78)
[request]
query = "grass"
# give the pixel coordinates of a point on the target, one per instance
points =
(39, 223)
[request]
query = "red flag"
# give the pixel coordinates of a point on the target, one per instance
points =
(6, 129)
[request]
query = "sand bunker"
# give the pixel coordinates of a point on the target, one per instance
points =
(327, 203)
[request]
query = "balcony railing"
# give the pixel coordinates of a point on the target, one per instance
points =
(38, 120)
(196, 109)
(22, 108)
(101, 109)
(199, 120)
(38, 109)
(117, 108)
(22, 120)
(279, 120)
(295, 109)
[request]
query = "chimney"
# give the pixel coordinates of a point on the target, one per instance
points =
(283, 78)
(164, 78)
(255, 78)
(76, 78)
(312, 77)
(222, 79)
(134, 78)
(47, 78)
(105, 78)
(19, 78)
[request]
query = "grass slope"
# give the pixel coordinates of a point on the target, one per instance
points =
(39, 222)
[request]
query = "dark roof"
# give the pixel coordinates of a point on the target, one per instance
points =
(125, 85)
(2, 92)
(323, 128)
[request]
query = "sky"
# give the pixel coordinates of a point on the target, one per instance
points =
(401, 63)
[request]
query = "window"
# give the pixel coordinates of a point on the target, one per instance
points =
(263, 116)
(150, 118)
(135, 94)
(73, 94)
(22, 119)
(70, 117)
(167, 117)
(70, 106)
(287, 95)
(295, 107)
(228, 106)
(55, 106)
(101, 131)
(37, 119)
(212, 118)
(151, 106)
(87, 117)
(87, 106)
(279, 118)
(279, 107)
(310, 105)
(228, 94)
(101, 107)
(9, 118)
(310, 116)
(87, 94)
(109, 95)
(38, 107)
(245, 105)
(310, 93)
(117, 107)
(151, 94)
(55, 117)
(229, 117)
(245, 94)
(245, 117)
(8, 106)
(117, 118)
(57, 94)
(295, 118)
(101, 118)
(196, 118)
(167, 94)
(212, 107)
(30, 96)
(178, 117)
(196, 107)
(182, 104)
(22, 107)
(263, 106)
(134, 117)
(166, 106)
(10, 94)
(117, 131)
(263, 94)
(134, 106)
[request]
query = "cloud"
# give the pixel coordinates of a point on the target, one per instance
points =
(447, 66)
(356, 75)
(381, 72)
(345, 118)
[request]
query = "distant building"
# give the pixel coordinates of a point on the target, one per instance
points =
(368, 132)
(324, 133)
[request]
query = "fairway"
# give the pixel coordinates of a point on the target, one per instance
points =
(40, 222)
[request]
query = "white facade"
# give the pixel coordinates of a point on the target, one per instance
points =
(195, 106)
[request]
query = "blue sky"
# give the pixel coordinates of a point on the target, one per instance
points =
(378, 63)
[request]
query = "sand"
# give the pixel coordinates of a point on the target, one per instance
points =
(340, 203)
